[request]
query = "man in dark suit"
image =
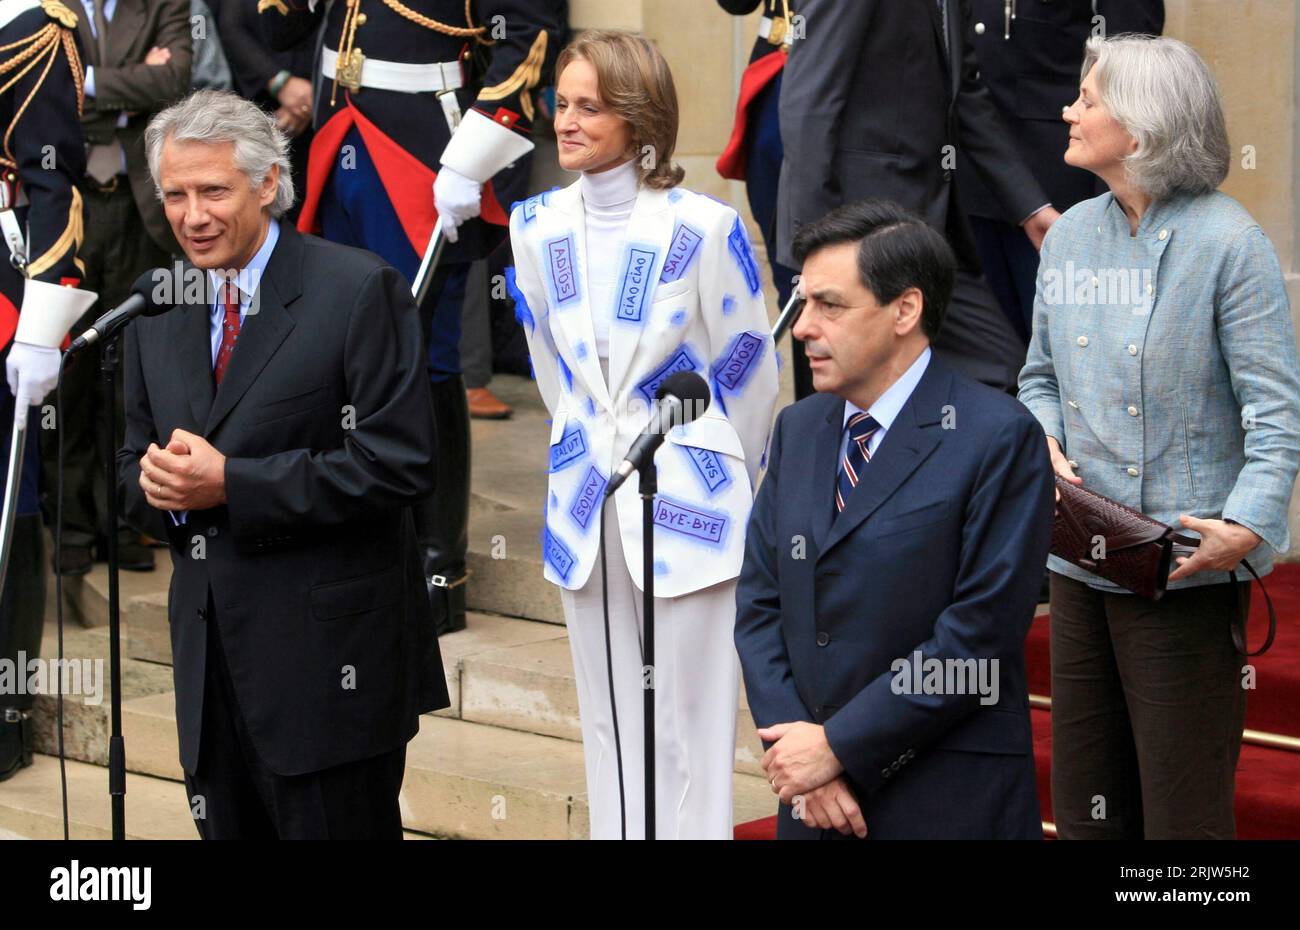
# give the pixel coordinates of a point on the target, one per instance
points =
(295, 432)
(880, 99)
(1030, 65)
(888, 588)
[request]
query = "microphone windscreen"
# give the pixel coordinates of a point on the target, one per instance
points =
(157, 289)
(690, 389)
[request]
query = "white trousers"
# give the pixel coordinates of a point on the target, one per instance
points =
(696, 682)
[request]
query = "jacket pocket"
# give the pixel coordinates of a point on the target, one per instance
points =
(990, 730)
(287, 406)
(912, 519)
(336, 599)
(709, 432)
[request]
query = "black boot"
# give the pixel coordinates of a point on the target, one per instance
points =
(442, 520)
(22, 617)
(15, 741)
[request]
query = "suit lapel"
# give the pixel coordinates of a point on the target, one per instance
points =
(123, 28)
(568, 218)
(263, 331)
(826, 467)
(650, 229)
(906, 445)
(89, 47)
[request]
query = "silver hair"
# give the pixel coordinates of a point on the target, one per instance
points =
(216, 116)
(1165, 97)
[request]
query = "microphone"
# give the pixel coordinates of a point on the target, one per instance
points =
(142, 302)
(681, 398)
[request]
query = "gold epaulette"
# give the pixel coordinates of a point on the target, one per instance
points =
(56, 11)
(277, 5)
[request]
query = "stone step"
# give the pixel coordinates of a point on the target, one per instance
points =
(531, 687)
(481, 782)
(31, 806)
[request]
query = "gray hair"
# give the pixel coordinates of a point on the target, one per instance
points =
(215, 116)
(1165, 97)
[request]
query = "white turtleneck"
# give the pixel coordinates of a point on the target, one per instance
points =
(608, 198)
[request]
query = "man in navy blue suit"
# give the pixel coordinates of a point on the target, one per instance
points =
(893, 560)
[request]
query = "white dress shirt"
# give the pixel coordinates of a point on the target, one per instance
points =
(885, 410)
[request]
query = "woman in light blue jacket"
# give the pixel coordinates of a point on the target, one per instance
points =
(1163, 369)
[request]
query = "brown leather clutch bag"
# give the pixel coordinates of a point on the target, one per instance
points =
(1128, 548)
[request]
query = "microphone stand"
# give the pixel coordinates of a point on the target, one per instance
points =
(108, 365)
(648, 488)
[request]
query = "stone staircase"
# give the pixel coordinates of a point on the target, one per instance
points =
(504, 761)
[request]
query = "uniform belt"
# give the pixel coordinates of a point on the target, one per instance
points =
(400, 75)
(765, 30)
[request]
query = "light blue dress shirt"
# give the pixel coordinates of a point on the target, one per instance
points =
(885, 410)
(248, 280)
(110, 6)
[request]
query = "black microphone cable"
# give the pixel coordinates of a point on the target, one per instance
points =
(609, 665)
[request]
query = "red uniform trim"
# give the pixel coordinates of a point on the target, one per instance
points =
(407, 180)
(8, 321)
(760, 73)
(508, 118)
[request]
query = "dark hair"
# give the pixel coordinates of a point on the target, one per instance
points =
(896, 250)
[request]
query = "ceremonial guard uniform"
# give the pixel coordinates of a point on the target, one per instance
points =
(1030, 53)
(41, 159)
(686, 297)
(754, 152)
(399, 77)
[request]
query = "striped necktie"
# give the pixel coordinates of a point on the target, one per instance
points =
(860, 428)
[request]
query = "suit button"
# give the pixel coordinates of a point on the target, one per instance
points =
(947, 175)
(893, 766)
(823, 639)
(1132, 350)
(1132, 411)
(885, 773)
(212, 531)
(1133, 472)
(1083, 342)
(203, 613)
(817, 712)
(911, 753)
(979, 29)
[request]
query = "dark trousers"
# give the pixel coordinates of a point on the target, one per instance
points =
(976, 338)
(116, 251)
(1147, 711)
(763, 156)
(1010, 264)
(233, 795)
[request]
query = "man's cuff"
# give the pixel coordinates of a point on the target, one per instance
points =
(1034, 214)
(88, 84)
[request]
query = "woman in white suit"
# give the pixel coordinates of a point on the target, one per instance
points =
(622, 279)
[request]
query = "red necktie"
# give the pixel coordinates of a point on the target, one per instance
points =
(229, 332)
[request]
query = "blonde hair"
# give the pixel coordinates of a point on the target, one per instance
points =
(634, 81)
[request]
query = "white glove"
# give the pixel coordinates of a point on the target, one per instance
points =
(32, 371)
(457, 199)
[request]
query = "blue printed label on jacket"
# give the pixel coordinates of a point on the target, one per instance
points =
(587, 499)
(738, 245)
(557, 555)
(563, 270)
(698, 524)
(571, 447)
(710, 467)
(681, 252)
(736, 365)
(635, 284)
(681, 360)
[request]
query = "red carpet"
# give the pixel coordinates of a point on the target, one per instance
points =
(1268, 799)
